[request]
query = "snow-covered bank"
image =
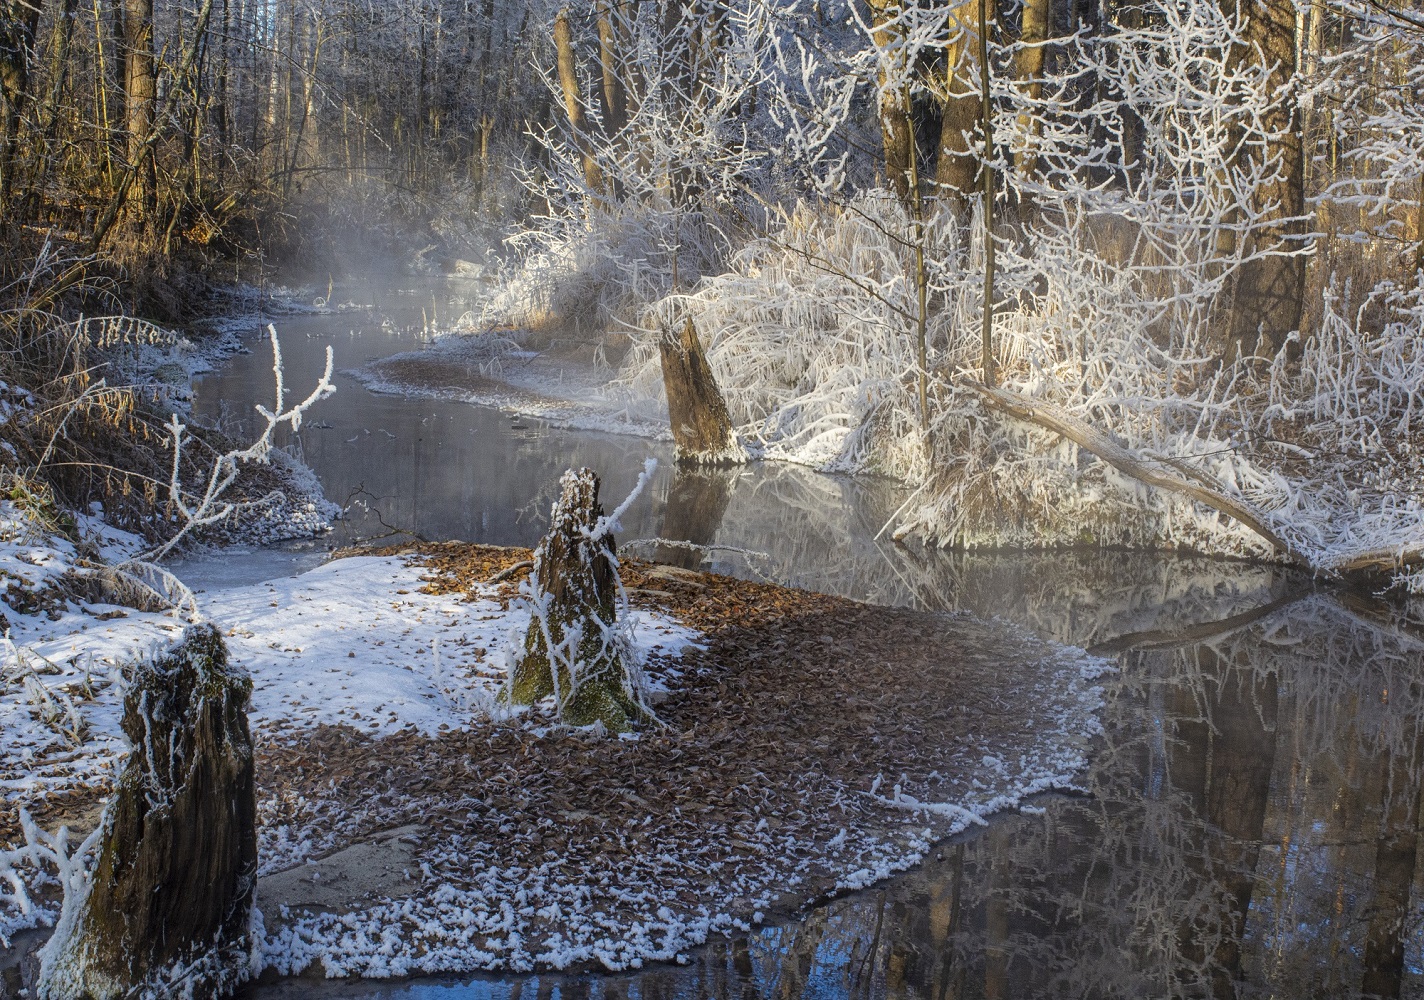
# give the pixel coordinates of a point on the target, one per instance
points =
(811, 333)
(354, 642)
(375, 681)
(809, 744)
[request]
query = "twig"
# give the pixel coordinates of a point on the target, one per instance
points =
(510, 571)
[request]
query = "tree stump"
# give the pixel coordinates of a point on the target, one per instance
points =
(169, 909)
(701, 427)
(575, 648)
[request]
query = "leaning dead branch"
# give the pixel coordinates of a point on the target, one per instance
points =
(1152, 473)
(1125, 461)
(209, 507)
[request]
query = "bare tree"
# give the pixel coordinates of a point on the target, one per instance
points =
(140, 104)
(18, 21)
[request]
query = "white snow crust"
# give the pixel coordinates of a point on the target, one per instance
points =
(356, 643)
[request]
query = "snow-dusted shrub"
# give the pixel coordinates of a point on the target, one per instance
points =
(1374, 88)
(577, 278)
(811, 336)
(87, 404)
(1111, 304)
(714, 107)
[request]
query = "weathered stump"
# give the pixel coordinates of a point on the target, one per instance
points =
(575, 648)
(170, 905)
(701, 426)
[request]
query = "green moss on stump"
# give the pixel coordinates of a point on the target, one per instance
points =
(575, 580)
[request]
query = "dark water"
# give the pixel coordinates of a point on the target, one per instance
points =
(1251, 822)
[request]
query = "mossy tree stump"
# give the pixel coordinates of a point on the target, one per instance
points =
(169, 909)
(701, 426)
(575, 648)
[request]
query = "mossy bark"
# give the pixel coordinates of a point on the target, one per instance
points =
(573, 648)
(170, 904)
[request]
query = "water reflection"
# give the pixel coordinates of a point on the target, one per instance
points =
(1250, 825)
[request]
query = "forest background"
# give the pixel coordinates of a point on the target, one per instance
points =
(1064, 268)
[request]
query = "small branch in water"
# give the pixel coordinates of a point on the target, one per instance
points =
(674, 543)
(391, 529)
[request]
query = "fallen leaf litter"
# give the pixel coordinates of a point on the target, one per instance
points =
(792, 752)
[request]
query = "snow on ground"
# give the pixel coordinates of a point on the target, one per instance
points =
(353, 642)
(356, 643)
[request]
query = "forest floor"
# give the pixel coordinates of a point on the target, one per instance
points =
(805, 744)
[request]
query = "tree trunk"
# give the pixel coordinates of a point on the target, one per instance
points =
(573, 649)
(896, 129)
(701, 426)
(1269, 290)
(141, 152)
(573, 104)
(48, 119)
(987, 360)
(615, 103)
(1028, 67)
(141, 105)
(18, 22)
(956, 167)
(177, 867)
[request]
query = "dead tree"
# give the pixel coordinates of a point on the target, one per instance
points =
(1028, 67)
(896, 127)
(170, 903)
(701, 426)
(141, 104)
(576, 649)
(18, 21)
(573, 103)
(957, 166)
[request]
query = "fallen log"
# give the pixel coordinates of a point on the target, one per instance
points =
(1107, 448)
(1381, 561)
(1189, 483)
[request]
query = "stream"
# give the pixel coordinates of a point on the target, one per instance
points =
(1250, 825)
